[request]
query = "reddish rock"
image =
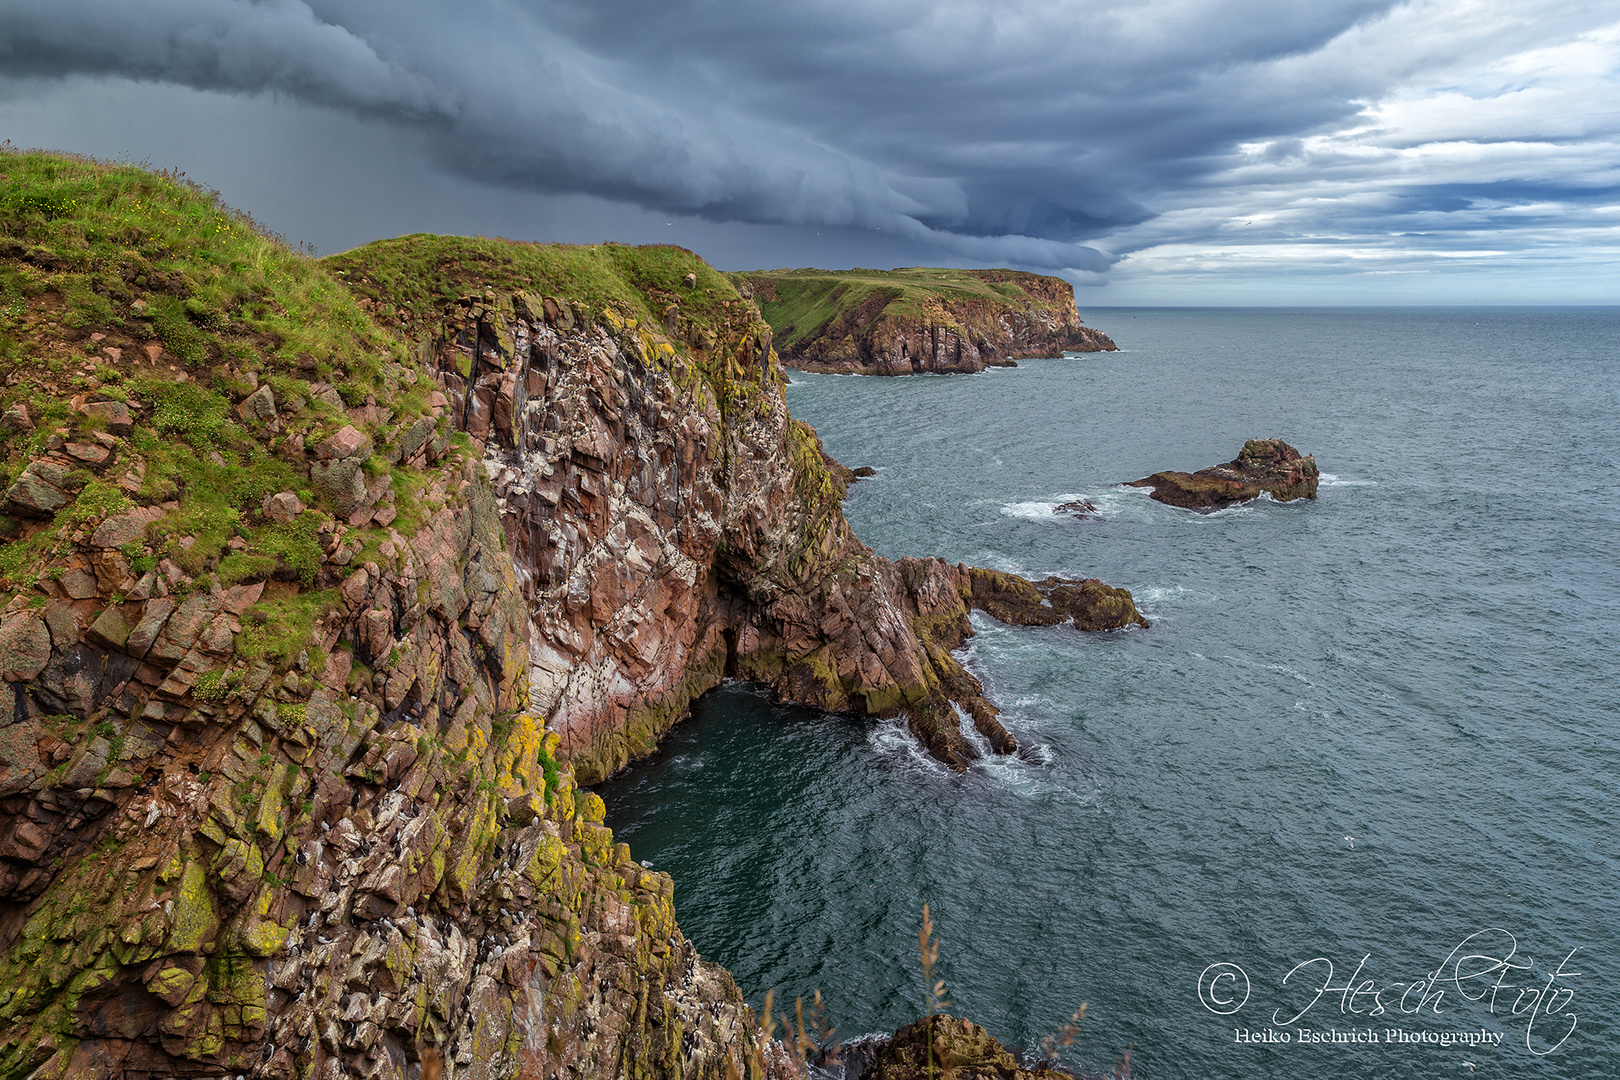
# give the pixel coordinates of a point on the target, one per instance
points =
(120, 529)
(282, 507)
(660, 547)
(1263, 466)
(115, 413)
(347, 442)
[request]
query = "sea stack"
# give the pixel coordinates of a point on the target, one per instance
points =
(1262, 466)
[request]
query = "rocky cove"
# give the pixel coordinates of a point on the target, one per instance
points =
(329, 584)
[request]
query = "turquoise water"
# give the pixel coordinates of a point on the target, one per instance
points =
(1368, 726)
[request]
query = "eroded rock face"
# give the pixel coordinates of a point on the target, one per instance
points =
(1262, 466)
(669, 530)
(369, 854)
(318, 872)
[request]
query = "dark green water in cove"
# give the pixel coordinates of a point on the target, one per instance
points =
(1368, 726)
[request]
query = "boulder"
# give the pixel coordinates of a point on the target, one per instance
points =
(116, 413)
(348, 442)
(25, 646)
(89, 453)
(120, 529)
(31, 496)
(259, 405)
(282, 507)
(342, 481)
(1263, 466)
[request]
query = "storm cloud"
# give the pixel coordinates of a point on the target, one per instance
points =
(1181, 135)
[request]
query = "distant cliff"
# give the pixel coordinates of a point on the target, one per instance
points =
(916, 320)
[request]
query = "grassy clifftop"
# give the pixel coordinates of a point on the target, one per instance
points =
(918, 318)
(408, 281)
(798, 303)
(137, 314)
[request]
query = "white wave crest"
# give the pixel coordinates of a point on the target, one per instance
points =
(1160, 594)
(893, 740)
(1035, 511)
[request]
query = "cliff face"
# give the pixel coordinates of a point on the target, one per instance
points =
(317, 595)
(670, 524)
(905, 322)
(273, 800)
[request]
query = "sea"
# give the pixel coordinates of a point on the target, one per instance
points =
(1349, 808)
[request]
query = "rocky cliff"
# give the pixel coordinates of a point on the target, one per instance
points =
(905, 322)
(274, 798)
(670, 524)
(321, 585)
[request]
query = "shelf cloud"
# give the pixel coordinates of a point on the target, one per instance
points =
(1090, 137)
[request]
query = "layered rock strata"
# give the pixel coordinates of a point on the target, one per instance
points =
(273, 801)
(1263, 466)
(908, 322)
(671, 525)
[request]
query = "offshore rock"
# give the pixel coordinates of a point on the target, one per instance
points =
(1087, 603)
(1263, 466)
(919, 320)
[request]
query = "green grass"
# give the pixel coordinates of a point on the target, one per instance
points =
(805, 301)
(187, 411)
(98, 500)
(103, 236)
(708, 330)
(93, 255)
(279, 628)
(410, 279)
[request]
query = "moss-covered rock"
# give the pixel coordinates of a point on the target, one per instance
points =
(944, 1046)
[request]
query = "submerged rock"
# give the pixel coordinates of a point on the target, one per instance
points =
(1262, 466)
(1080, 508)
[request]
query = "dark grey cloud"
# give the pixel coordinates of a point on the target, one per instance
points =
(1043, 133)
